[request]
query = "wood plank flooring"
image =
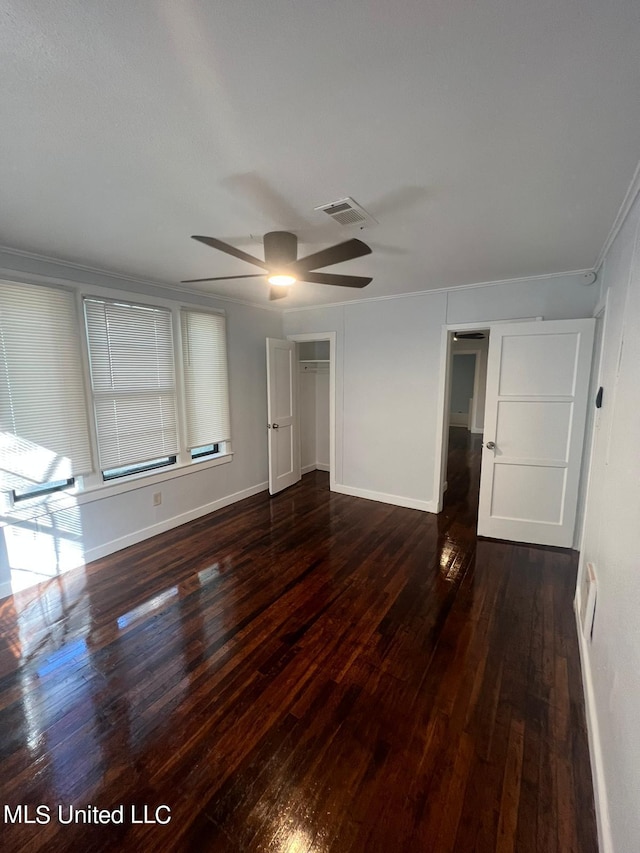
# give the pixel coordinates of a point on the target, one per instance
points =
(303, 674)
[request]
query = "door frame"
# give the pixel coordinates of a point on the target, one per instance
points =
(444, 393)
(331, 337)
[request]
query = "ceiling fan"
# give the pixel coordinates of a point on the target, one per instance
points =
(282, 266)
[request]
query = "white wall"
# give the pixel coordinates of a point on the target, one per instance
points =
(313, 406)
(322, 418)
(387, 371)
(463, 371)
(108, 522)
(115, 521)
(611, 663)
(463, 345)
(307, 414)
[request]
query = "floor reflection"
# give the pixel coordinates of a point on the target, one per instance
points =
(459, 517)
(42, 547)
(41, 531)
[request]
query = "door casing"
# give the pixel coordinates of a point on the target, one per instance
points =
(331, 337)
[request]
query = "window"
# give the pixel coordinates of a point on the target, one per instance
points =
(138, 417)
(42, 489)
(138, 468)
(44, 434)
(133, 382)
(205, 451)
(204, 352)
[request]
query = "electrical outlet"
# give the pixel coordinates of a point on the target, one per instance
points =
(157, 498)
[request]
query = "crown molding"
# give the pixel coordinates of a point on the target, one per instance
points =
(454, 287)
(618, 222)
(114, 277)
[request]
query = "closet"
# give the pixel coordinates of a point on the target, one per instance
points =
(313, 402)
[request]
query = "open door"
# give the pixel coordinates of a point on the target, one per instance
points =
(536, 402)
(284, 461)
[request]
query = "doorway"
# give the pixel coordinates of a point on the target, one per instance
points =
(315, 387)
(467, 369)
(313, 405)
(536, 395)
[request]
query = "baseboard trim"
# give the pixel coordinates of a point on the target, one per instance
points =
(477, 430)
(315, 466)
(169, 523)
(382, 497)
(459, 419)
(605, 842)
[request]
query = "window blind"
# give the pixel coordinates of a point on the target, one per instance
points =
(43, 412)
(132, 376)
(204, 348)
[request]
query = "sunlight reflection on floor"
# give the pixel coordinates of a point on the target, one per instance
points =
(43, 547)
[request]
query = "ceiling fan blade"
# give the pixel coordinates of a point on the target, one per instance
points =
(230, 250)
(334, 278)
(278, 292)
(333, 255)
(223, 278)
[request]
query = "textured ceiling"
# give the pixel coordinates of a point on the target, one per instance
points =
(491, 140)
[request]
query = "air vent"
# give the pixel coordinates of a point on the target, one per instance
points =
(346, 212)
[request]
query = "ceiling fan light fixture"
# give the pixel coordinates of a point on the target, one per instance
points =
(281, 280)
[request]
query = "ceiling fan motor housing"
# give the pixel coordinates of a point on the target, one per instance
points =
(280, 249)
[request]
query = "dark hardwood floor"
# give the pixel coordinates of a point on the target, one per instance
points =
(302, 674)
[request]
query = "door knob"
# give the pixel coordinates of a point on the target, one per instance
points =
(276, 426)
(490, 445)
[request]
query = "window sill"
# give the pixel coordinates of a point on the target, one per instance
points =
(146, 479)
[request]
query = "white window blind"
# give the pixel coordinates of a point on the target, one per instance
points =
(204, 348)
(132, 375)
(43, 414)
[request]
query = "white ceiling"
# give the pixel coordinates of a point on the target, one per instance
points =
(491, 139)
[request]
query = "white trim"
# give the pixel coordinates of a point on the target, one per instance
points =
(314, 466)
(111, 488)
(442, 420)
(5, 589)
(459, 419)
(331, 337)
(169, 523)
(133, 280)
(601, 309)
(605, 841)
(618, 222)
(601, 306)
(413, 293)
(25, 276)
(382, 497)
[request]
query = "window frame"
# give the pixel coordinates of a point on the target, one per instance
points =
(69, 485)
(92, 486)
(96, 395)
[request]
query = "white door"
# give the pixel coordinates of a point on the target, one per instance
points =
(284, 461)
(536, 402)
